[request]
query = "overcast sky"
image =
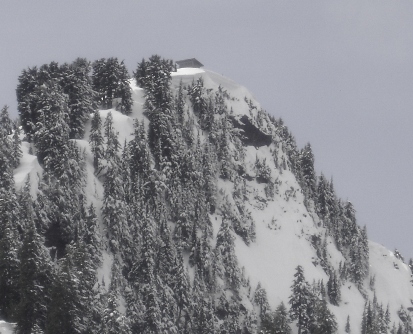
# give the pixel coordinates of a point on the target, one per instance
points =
(340, 74)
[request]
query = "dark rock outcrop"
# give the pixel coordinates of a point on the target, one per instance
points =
(250, 134)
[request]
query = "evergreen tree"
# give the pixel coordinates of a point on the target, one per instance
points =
(143, 277)
(201, 105)
(34, 283)
(76, 83)
(61, 202)
(5, 120)
(368, 324)
(300, 301)
(9, 233)
(111, 81)
(26, 99)
(333, 288)
(260, 298)
(226, 248)
(84, 258)
(281, 321)
(231, 321)
(52, 131)
(326, 200)
(209, 175)
(64, 312)
(140, 162)
(348, 329)
(16, 148)
(9, 262)
(114, 206)
(224, 155)
(6, 162)
(167, 307)
(359, 257)
(96, 141)
(180, 104)
(166, 255)
(154, 77)
(308, 172)
(33, 83)
(181, 287)
(323, 320)
(112, 321)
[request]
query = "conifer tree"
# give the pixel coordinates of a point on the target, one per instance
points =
(26, 99)
(181, 287)
(180, 104)
(167, 307)
(30, 93)
(308, 172)
(226, 248)
(201, 104)
(61, 202)
(224, 155)
(34, 283)
(52, 131)
(139, 155)
(348, 328)
(323, 320)
(333, 289)
(9, 264)
(111, 81)
(154, 77)
(112, 321)
(359, 257)
(5, 120)
(64, 311)
(114, 206)
(281, 322)
(9, 234)
(143, 277)
(203, 317)
(209, 175)
(6, 162)
(96, 141)
(260, 298)
(300, 301)
(166, 255)
(231, 321)
(76, 83)
(16, 148)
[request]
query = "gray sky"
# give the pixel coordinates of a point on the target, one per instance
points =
(340, 74)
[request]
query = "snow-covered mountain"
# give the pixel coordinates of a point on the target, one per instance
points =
(262, 193)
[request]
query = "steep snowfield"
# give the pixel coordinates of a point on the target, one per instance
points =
(283, 226)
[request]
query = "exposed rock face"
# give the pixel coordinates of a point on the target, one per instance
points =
(250, 134)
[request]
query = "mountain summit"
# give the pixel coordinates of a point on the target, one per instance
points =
(173, 203)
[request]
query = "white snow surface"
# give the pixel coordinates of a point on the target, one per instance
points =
(283, 225)
(6, 328)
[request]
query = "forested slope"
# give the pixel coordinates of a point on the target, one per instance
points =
(171, 202)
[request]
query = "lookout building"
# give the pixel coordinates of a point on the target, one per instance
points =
(189, 63)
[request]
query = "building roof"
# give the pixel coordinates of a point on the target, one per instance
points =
(192, 62)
